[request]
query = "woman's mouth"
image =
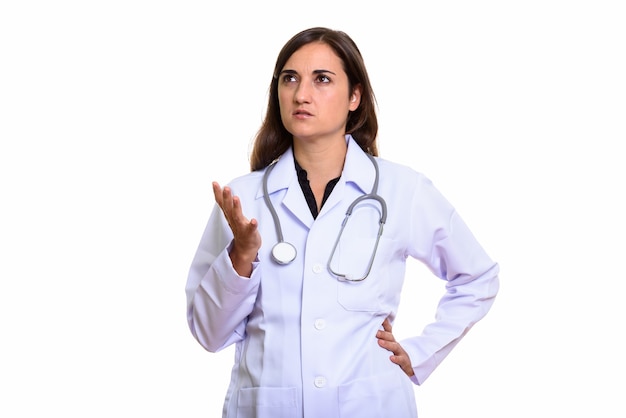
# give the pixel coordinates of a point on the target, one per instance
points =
(301, 113)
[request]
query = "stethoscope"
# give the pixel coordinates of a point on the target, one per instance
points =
(284, 252)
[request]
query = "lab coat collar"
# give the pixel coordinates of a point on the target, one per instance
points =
(284, 176)
(357, 171)
(358, 168)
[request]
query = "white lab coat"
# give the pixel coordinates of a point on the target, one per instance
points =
(306, 342)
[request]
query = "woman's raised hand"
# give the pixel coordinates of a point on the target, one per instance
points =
(247, 239)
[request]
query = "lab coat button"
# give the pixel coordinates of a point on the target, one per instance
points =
(320, 382)
(320, 324)
(317, 268)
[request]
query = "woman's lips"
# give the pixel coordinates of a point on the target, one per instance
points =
(302, 113)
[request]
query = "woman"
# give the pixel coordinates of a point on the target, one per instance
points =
(312, 322)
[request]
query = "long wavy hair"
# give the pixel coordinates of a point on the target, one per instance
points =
(272, 139)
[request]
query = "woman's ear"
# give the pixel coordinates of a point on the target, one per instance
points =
(355, 98)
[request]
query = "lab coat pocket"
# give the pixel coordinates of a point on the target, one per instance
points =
(384, 395)
(268, 402)
(353, 262)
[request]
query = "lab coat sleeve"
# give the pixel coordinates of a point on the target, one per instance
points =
(470, 275)
(218, 299)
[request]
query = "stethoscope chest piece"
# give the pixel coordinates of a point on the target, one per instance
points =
(283, 252)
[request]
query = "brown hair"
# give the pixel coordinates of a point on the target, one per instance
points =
(272, 139)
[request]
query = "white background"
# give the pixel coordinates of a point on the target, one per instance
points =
(115, 117)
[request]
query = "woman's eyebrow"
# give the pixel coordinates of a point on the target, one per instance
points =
(288, 71)
(323, 71)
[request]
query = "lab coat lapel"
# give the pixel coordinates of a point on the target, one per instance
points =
(358, 173)
(295, 202)
(283, 177)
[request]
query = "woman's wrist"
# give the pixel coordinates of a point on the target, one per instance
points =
(242, 261)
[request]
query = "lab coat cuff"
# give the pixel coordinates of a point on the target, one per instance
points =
(231, 280)
(423, 365)
(423, 370)
(255, 263)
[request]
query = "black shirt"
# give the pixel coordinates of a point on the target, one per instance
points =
(308, 192)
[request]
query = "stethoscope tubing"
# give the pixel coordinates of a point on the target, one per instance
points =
(284, 252)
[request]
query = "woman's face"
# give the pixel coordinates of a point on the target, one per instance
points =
(314, 94)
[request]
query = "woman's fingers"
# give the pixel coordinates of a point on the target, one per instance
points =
(387, 325)
(224, 198)
(230, 205)
(388, 342)
(218, 193)
(245, 232)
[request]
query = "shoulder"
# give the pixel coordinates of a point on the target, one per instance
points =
(249, 181)
(400, 173)
(402, 182)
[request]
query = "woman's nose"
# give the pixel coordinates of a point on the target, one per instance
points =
(303, 93)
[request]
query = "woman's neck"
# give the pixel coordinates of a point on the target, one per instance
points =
(322, 161)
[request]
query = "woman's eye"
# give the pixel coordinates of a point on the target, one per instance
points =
(323, 79)
(289, 78)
